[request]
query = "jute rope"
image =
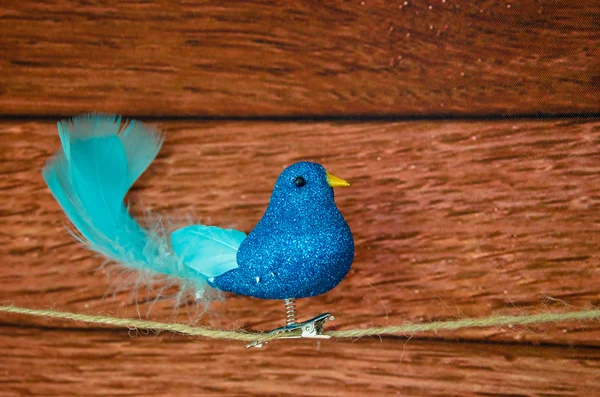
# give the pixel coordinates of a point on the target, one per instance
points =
(133, 324)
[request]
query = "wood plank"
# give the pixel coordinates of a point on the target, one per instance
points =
(451, 219)
(372, 57)
(73, 362)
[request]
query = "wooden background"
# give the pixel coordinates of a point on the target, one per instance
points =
(470, 132)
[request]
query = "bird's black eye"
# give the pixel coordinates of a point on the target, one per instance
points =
(299, 181)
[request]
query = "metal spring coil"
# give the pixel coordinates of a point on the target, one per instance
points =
(290, 311)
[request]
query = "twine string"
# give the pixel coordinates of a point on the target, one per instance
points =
(410, 328)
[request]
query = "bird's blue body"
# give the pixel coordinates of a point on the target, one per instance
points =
(301, 247)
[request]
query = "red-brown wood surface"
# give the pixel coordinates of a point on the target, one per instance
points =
(103, 363)
(215, 58)
(451, 219)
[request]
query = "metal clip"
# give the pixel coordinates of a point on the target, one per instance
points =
(311, 329)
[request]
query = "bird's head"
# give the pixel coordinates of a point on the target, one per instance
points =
(305, 186)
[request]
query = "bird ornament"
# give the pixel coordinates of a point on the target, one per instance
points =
(301, 247)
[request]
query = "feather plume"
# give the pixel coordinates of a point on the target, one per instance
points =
(99, 162)
(207, 249)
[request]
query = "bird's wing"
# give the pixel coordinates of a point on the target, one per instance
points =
(209, 250)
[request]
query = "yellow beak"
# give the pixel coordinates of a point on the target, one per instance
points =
(334, 181)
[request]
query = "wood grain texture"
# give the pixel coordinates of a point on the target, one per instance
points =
(224, 58)
(74, 362)
(450, 220)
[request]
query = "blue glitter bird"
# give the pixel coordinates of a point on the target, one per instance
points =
(301, 247)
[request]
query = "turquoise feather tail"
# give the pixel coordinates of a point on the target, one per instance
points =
(99, 161)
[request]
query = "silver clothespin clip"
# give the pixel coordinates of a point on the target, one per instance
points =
(312, 329)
